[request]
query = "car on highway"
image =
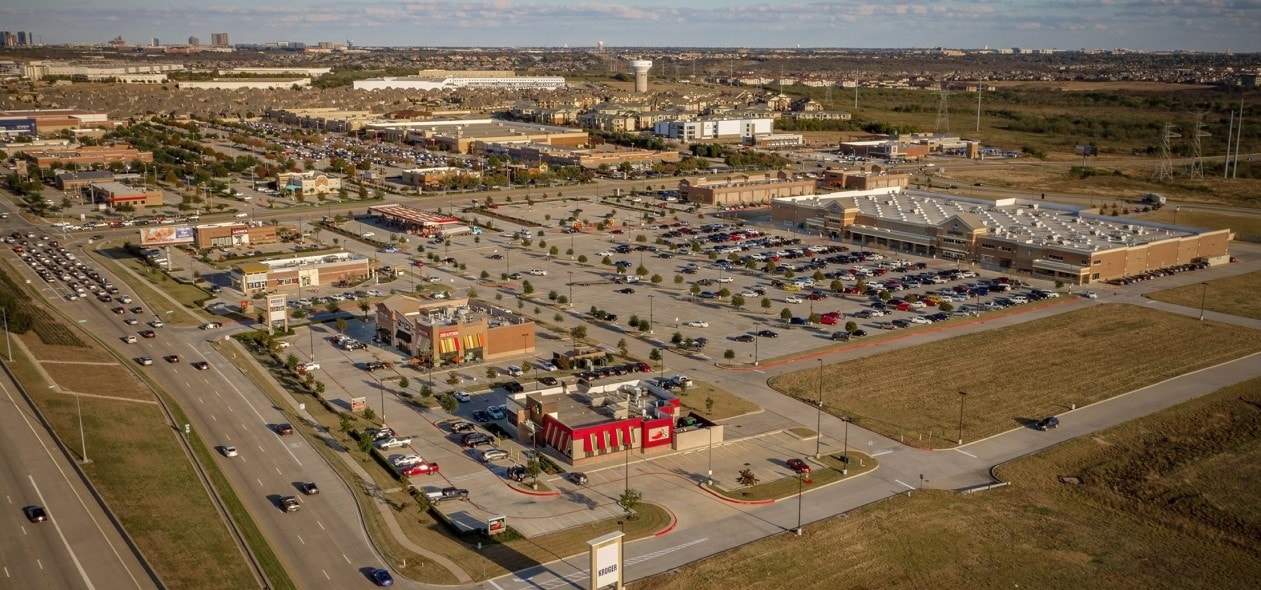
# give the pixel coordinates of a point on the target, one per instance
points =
(201, 365)
(698, 324)
(381, 577)
(35, 513)
(172, 358)
(493, 454)
(228, 451)
(309, 488)
(290, 504)
(137, 309)
(284, 429)
(157, 323)
(131, 321)
(1047, 423)
(149, 334)
(798, 466)
(130, 339)
(144, 360)
(119, 310)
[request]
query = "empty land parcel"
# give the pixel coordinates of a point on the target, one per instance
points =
(1015, 375)
(1231, 295)
(1165, 501)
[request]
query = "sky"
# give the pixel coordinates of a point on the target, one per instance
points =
(1194, 25)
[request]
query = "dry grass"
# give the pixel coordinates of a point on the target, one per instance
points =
(820, 475)
(1231, 295)
(1167, 501)
(1018, 374)
(104, 380)
(147, 290)
(726, 405)
(1241, 224)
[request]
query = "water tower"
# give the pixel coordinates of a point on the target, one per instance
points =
(641, 67)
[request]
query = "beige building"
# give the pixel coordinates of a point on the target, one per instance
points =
(291, 275)
(1045, 240)
(308, 183)
(451, 332)
(744, 189)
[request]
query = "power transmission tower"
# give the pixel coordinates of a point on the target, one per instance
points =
(1164, 170)
(943, 112)
(1196, 168)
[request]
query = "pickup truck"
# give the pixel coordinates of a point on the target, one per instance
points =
(447, 494)
(393, 442)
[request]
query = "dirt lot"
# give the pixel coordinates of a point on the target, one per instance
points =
(1078, 358)
(1168, 501)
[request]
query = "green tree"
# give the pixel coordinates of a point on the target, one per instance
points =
(737, 301)
(766, 304)
(403, 383)
(491, 372)
(655, 355)
(341, 325)
(448, 402)
(851, 327)
(747, 478)
(786, 314)
(629, 501)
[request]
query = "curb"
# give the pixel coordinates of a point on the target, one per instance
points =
(732, 500)
(674, 522)
(550, 494)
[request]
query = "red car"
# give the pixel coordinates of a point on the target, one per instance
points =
(421, 469)
(644, 367)
(149, 334)
(799, 466)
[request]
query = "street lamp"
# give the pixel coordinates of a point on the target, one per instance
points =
(800, 476)
(847, 420)
(755, 337)
(1203, 294)
(9, 343)
(818, 439)
(650, 314)
(709, 477)
(962, 396)
(571, 288)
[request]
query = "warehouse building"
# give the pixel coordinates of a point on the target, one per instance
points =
(1047, 241)
(744, 189)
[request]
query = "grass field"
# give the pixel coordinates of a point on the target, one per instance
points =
(147, 290)
(1016, 375)
(1231, 295)
(725, 405)
(1166, 501)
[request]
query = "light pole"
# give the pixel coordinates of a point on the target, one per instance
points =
(571, 289)
(799, 478)
(845, 470)
(709, 477)
(9, 343)
(1203, 294)
(755, 337)
(650, 314)
(962, 396)
(818, 439)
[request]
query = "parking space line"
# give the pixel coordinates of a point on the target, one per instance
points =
(966, 453)
(878, 453)
(909, 486)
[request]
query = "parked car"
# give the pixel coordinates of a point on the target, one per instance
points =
(799, 466)
(461, 396)
(767, 334)
(515, 371)
(450, 493)
(497, 412)
(493, 454)
(481, 416)
(577, 478)
(463, 426)
(476, 439)
(841, 335)
(698, 324)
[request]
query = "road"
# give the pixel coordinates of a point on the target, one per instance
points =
(79, 547)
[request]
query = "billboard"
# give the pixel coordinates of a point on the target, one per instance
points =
(170, 235)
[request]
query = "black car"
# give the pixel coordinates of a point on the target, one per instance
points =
(841, 335)
(1047, 423)
(514, 387)
(481, 416)
(476, 438)
(767, 334)
(463, 426)
(744, 338)
(35, 513)
(517, 473)
(858, 333)
(309, 488)
(626, 291)
(548, 381)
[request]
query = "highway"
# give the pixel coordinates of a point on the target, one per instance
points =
(78, 547)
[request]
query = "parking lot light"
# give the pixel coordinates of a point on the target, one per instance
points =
(818, 438)
(962, 396)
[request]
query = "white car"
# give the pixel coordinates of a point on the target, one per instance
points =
(498, 412)
(492, 454)
(538, 272)
(793, 299)
(515, 371)
(408, 459)
(310, 366)
(726, 279)
(211, 325)
(605, 253)
(548, 366)
(229, 451)
(698, 324)
(918, 320)
(461, 396)
(1090, 295)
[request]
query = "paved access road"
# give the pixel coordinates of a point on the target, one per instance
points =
(79, 546)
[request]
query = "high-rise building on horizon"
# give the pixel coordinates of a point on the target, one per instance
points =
(194, 41)
(219, 39)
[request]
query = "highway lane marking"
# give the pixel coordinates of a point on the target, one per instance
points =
(881, 453)
(279, 472)
(346, 558)
(300, 539)
(6, 572)
(966, 453)
(199, 400)
(326, 575)
(57, 526)
(246, 401)
(905, 484)
(260, 482)
(213, 417)
(73, 490)
(321, 525)
(40, 562)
